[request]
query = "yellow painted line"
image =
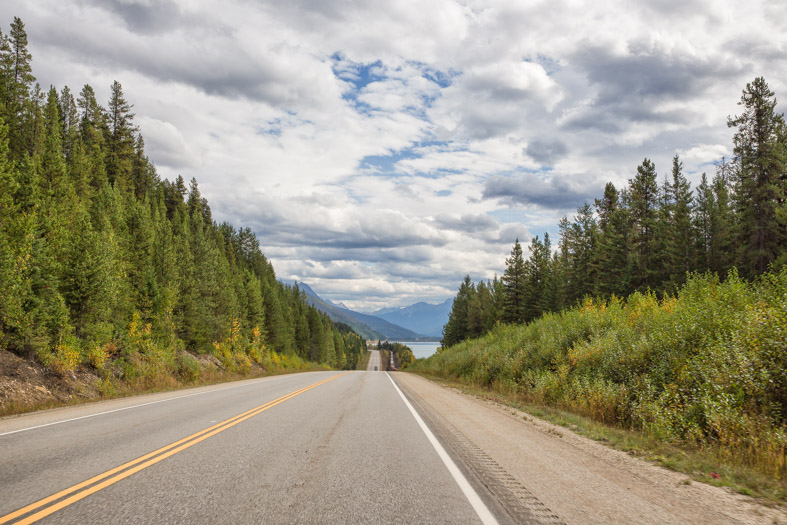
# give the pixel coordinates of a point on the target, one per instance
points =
(145, 461)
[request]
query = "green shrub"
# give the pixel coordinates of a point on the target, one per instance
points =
(707, 366)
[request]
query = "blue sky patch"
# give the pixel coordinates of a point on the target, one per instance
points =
(386, 164)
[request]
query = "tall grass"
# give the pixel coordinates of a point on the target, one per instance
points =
(706, 367)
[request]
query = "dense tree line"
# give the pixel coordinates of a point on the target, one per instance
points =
(650, 236)
(403, 355)
(101, 259)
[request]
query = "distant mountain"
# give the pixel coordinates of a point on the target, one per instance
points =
(424, 318)
(367, 326)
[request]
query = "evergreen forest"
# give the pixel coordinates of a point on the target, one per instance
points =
(104, 264)
(650, 235)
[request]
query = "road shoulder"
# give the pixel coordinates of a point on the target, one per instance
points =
(543, 473)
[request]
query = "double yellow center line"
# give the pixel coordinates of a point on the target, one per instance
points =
(79, 491)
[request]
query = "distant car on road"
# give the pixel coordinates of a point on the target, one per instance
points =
(375, 369)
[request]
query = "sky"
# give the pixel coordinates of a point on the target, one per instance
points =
(383, 150)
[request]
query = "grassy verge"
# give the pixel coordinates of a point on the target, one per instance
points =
(701, 464)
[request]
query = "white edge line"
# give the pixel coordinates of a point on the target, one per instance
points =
(133, 406)
(472, 496)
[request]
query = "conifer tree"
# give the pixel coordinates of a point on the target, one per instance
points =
(514, 287)
(680, 234)
(18, 77)
(578, 243)
(610, 258)
(760, 181)
(456, 329)
(643, 204)
(121, 137)
(537, 295)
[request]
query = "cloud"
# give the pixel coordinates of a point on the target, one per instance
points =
(546, 152)
(467, 223)
(560, 192)
(165, 143)
(381, 151)
(144, 17)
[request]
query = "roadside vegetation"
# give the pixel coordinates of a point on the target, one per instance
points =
(705, 369)
(628, 323)
(403, 355)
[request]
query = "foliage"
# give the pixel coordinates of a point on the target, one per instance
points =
(706, 366)
(104, 264)
(403, 355)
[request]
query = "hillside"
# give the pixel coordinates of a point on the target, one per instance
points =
(367, 326)
(706, 368)
(424, 318)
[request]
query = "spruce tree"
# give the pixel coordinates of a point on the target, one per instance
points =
(610, 258)
(760, 182)
(456, 329)
(120, 138)
(680, 243)
(537, 278)
(19, 81)
(514, 287)
(643, 205)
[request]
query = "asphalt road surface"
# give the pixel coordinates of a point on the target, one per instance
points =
(334, 447)
(374, 361)
(347, 449)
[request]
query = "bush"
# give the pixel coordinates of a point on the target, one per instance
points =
(707, 366)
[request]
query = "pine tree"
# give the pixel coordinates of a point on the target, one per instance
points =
(19, 80)
(514, 287)
(578, 243)
(456, 329)
(120, 138)
(680, 234)
(16, 238)
(92, 129)
(610, 258)
(537, 278)
(643, 205)
(722, 223)
(760, 181)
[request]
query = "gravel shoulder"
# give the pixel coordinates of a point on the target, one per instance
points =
(544, 473)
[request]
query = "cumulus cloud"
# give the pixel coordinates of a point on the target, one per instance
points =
(383, 150)
(546, 151)
(562, 192)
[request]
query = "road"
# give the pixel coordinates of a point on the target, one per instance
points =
(374, 361)
(346, 450)
(332, 447)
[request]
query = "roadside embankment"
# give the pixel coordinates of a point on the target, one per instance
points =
(705, 370)
(26, 385)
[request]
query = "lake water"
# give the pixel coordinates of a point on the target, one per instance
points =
(422, 349)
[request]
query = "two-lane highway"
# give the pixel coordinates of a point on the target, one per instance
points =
(307, 448)
(374, 361)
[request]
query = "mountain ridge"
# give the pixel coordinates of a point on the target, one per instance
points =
(422, 317)
(366, 325)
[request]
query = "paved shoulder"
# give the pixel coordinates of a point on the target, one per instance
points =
(544, 473)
